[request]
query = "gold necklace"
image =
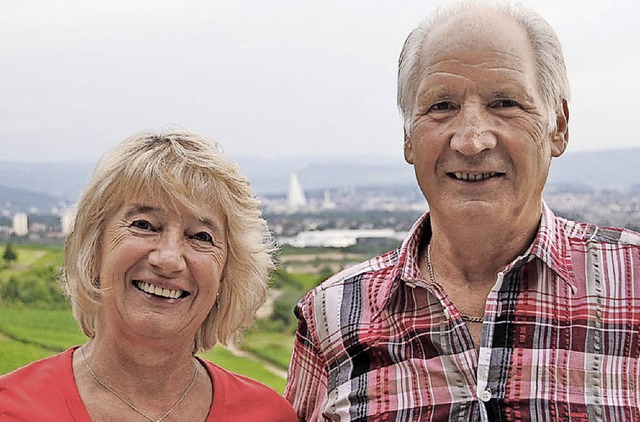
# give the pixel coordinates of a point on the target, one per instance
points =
(465, 318)
(112, 391)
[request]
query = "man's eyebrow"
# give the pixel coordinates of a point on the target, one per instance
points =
(511, 91)
(442, 89)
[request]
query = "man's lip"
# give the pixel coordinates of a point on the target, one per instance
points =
(474, 176)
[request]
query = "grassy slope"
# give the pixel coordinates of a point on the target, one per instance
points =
(28, 334)
(14, 354)
(27, 257)
(272, 347)
(244, 366)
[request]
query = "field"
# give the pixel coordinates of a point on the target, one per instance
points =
(35, 322)
(30, 334)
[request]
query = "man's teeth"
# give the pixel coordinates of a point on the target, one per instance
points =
(158, 291)
(474, 177)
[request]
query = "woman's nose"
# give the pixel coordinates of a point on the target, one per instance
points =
(168, 255)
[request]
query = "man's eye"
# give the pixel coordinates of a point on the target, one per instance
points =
(505, 104)
(142, 225)
(442, 106)
(203, 237)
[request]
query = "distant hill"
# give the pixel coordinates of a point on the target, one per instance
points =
(58, 180)
(270, 176)
(17, 199)
(613, 169)
(607, 169)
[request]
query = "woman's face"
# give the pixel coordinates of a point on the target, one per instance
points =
(162, 268)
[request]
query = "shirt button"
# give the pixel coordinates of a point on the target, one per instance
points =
(485, 395)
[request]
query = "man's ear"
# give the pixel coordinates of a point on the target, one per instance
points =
(560, 137)
(408, 149)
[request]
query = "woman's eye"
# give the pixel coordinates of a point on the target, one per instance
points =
(203, 237)
(142, 225)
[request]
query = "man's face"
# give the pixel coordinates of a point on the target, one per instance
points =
(480, 144)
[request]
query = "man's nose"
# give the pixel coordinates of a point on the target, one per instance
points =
(168, 254)
(474, 132)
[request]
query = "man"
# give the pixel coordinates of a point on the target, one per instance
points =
(493, 308)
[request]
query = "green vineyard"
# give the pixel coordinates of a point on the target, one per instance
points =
(36, 321)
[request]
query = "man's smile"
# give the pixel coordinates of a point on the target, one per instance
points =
(474, 177)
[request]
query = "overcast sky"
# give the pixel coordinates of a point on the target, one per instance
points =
(265, 77)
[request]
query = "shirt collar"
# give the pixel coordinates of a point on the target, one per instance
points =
(551, 246)
(405, 268)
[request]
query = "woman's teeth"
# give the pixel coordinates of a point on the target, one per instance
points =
(158, 291)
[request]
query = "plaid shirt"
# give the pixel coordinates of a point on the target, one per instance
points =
(560, 339)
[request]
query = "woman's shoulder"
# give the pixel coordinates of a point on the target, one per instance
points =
(234, 382)
(236, 394)
(46, 369)
(38, 391)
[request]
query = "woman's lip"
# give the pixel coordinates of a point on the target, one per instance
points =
(163, 292)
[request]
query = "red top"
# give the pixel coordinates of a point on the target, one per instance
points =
(46, 390)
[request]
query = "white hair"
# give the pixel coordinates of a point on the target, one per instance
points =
(553, 84)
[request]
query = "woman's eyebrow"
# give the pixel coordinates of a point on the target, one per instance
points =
(211, 223)
(140, 209)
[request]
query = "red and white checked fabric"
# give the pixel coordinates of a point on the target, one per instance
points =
(560, 339)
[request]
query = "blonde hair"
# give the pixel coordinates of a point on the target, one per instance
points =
(180, 167)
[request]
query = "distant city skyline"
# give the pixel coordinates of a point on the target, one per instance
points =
(275, 79)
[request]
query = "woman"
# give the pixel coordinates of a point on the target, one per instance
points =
(168, 256)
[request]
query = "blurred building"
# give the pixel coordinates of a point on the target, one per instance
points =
(295, 197)
(338, 238)
(20, 224)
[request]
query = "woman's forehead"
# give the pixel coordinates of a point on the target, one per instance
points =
(166, 202)
(172, 193)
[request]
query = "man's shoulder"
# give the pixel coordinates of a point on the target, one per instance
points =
(372, 269)
(369, 283)
(593, 233)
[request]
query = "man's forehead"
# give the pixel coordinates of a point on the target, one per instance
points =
(474, 34)
(474, 25)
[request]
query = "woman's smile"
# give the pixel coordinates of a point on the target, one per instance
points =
(160, 292)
